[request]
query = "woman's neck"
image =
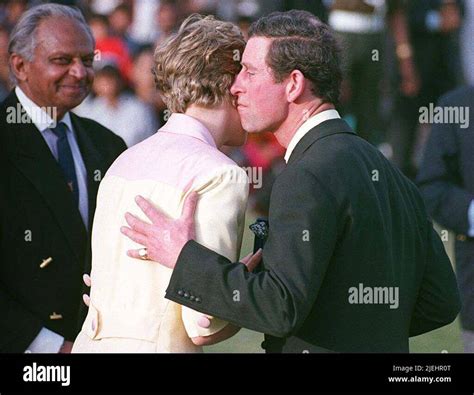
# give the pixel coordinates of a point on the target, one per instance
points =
(214, 119)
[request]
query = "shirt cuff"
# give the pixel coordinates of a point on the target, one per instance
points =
(46, 342)
(470, 213)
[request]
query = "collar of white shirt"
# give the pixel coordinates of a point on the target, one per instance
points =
(307, 126)
(38, 115)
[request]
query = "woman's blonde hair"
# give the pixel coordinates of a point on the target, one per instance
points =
(198, 64)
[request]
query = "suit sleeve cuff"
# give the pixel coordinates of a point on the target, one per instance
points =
(185, 272)
(184, 265)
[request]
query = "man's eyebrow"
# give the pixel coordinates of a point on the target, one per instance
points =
(59, 53)
(68, 54)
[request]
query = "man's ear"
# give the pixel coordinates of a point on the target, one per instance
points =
(19, 67)
(295, 86)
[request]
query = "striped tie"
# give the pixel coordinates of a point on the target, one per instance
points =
(66, 160)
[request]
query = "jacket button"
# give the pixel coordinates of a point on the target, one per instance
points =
(198, 300)
(180, 292)
(55, 316)
(461, 237)
(186, 295)
(191, 297)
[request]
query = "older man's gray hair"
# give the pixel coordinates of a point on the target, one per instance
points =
(23, 36)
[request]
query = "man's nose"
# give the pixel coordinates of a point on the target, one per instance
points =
(78, 70)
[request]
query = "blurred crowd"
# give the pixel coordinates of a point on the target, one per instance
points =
(396, 58)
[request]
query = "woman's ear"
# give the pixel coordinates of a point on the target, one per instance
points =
(296, 84)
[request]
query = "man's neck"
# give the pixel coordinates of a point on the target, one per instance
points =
(297, 117)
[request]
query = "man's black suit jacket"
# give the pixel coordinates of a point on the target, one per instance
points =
(39, 220)
(341, 218)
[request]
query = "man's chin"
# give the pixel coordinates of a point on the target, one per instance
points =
(74, 93)
(250, 128)
(72, 102)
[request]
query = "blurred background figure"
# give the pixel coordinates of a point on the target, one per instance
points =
(188, 7)
(361, 27)
(5, 84)
(244, 23)
(167, 20)
(467, 46)
(143, 28)
(263, 151)
(123, 113)
(110, 49)
(434, 27)
(13, 10)
(103, 7)
(144, 85)
(120, 21)
(317, 7)
(446, 180)
(251, 9)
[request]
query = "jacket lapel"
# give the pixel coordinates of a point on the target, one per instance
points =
(33, 158)
(327, 128)
(94, 162)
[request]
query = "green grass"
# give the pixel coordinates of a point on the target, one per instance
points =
(445, 339)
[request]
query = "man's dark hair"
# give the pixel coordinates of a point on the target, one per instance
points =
(302, 42)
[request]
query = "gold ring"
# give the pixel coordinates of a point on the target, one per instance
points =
(143, 253)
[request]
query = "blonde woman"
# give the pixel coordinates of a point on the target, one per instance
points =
(194, 70)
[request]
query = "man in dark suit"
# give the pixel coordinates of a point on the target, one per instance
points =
(352, 262)
(433, 33)
(51, 163)
(446, 181)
